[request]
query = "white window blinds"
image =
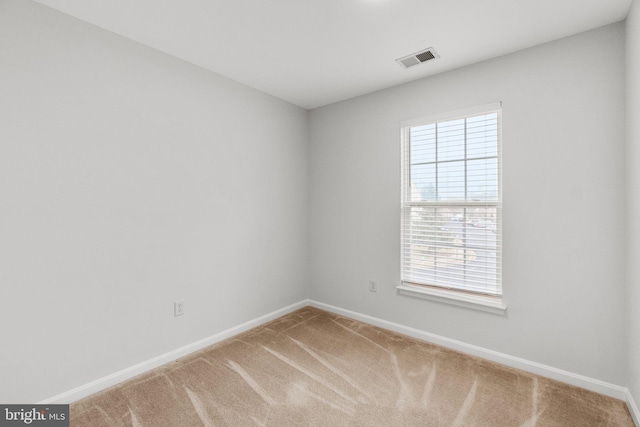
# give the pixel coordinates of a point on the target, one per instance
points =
(451, 201)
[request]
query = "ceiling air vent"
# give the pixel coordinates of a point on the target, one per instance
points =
(417, 58)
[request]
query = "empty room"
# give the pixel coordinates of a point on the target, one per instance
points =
(320, 212)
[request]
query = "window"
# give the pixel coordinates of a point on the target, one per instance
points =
(451, 205)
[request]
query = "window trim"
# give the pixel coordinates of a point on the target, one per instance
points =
(488, 303)
(491, 304)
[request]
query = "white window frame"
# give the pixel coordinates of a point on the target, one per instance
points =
(434, 292)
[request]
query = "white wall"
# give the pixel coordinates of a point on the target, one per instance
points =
(633, 194)
(563, 136)
(130, 179)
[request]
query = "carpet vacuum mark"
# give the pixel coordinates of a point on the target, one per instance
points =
(313, 368)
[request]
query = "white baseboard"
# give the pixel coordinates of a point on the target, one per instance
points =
(135, 370)
(577, 380)
(633, 408)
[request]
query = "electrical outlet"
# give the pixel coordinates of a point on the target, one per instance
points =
(373, 287)
(178, 308)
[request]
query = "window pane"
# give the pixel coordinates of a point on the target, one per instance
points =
(451, 140)
(423, 182)
(453, 247)
(481, 240)
(482, 136)
(451, 185)
(417, 244)
(423, 144)
(482, 179)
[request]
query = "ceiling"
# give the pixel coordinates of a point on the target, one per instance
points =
(317, 52)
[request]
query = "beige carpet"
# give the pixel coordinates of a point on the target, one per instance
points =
(313, 368)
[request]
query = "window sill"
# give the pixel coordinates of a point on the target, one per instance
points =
(476, 302)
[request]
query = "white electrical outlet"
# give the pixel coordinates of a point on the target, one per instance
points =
(373, 287)
(178, 308)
